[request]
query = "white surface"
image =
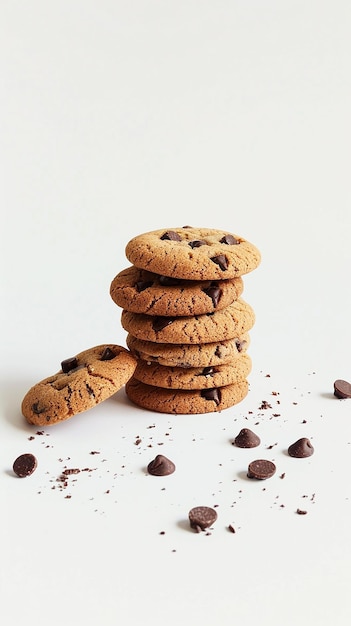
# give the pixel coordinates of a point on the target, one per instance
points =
(121, 117)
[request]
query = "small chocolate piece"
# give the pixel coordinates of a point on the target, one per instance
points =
(220, 260)
(246, 439)
(25, 465)
(201, 517)
(342, 389)
(197, 243)
(141, 285)
(214, 292)
(171, 235)
(69, 364)
(37, 409)
(161, 466)
(159, 322)
(261, 469)
(230, 240)
(301, 448)
(240, 345)
(212, 394)
(208, 371)
(107, 354)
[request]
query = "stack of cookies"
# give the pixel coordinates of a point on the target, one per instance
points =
(186, 321)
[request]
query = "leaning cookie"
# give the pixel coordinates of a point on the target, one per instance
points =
(188, 355)
(140, 291)
(233, 321)
(187, 402)
(194, 377)
(193, 253)
(84, 381)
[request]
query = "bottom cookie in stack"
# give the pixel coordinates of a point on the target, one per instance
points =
(184, 379)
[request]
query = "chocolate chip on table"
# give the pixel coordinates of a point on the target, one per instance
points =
(230, 240)
(212, 394)
(342, 389)
(171, 235)
(69, 364)
(107, 354)
(246, 439)
(202, 517)
(161, 466)
(25, 465)
(261, 469)
(301, 448)
(220, 260)
(214, 292)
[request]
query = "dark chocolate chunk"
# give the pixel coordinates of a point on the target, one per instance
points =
(214, 292)
(69, 364)
(208, 371)
(168, 281)
(220, 260)
(37, 409)
(342, 389)
(261, 469)
(230, 240)
(25, 465)
(246, 439)
(171, 235)
(212, 394)
(159, 322)
(197, 243)
(301, 448)
(201, 517)
(161, 466)
(107, 354)
(141, 285)
(240, 345)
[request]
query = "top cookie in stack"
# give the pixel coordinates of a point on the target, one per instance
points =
(185, 318)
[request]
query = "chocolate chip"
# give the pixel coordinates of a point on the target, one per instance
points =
(208, 371)
(301, 448)
(25, 465)
(168, 281)
(69, 364)
(37, 409)
(161, 466)
(171, 235)
(197, 243)
(230, 240)
(246, 439)
(221, 260)
(141, 285)
(261, 469)
(212, 394)
(159, 322)
(240, 345)
(107, 354)
(342, 389)
(214, 292)
(201, 517)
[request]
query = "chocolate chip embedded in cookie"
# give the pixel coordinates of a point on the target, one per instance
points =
(194, 377)
(83, 381)
(188, 355)
(140, 291)
(185, 402)
(233, 321)
(193, 253)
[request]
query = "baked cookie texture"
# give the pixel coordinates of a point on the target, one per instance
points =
(140, 291)
(84, 381)
(193, 253)
(185, 402)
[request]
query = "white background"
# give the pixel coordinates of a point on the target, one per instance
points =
(122, 117)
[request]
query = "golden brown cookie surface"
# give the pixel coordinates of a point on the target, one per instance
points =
(83, 381)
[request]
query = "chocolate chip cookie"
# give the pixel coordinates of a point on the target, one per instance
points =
(188, 355)
(233, 321)
(84, 381)
(185, 402)
(141, 291)
(193, 253)
(194, 377)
